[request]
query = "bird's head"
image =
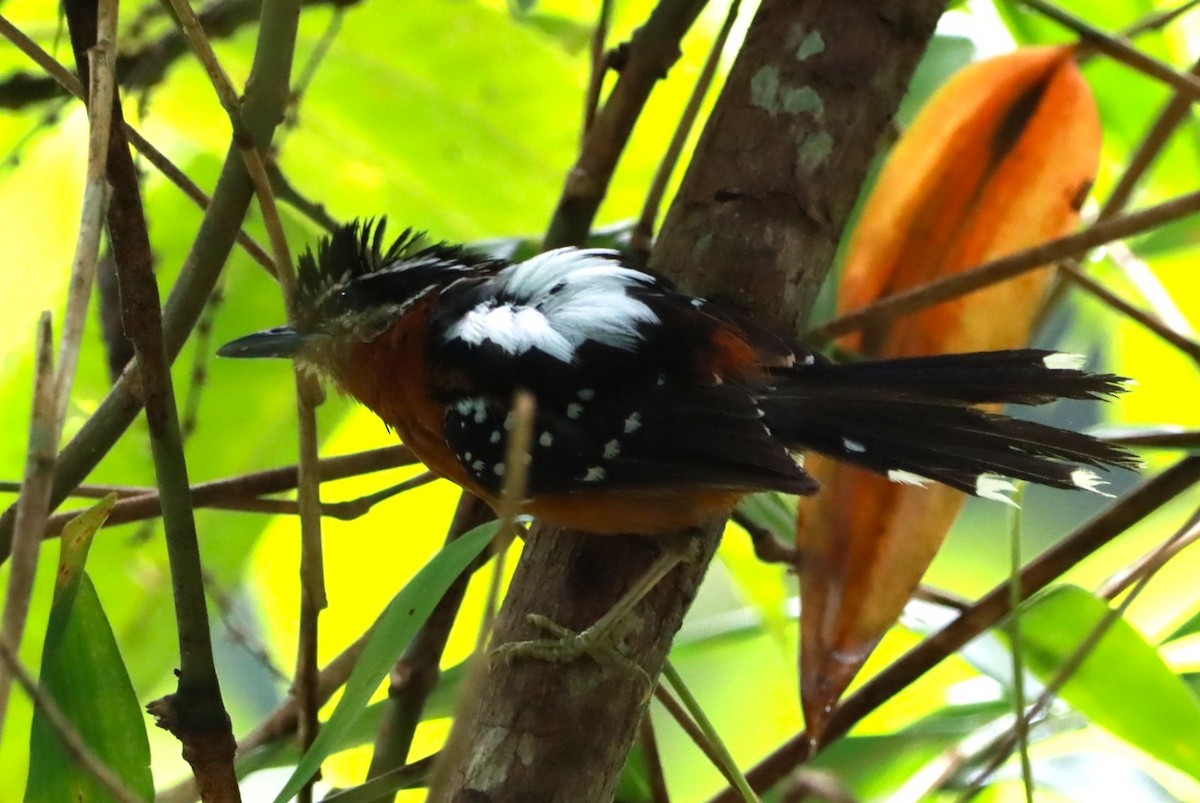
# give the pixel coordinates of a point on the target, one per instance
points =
(351, 290)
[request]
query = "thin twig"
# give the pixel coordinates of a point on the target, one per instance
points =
(710, 732)
(651, 52)
(1148, 150)
(1167, 437)
(1159, 20)
(678, 713)
(95, 204)
(287, 193)
(654, 769)
(90, 491)
(312, 561)
(1016, 649)
(226, 492)
(1150, 564)
(768, 547)
(164, 165)
(1119, 50)
(62, 726)
(1011, 266)
(33, 506)
(599, 66)
(516, 479)
(1177, 339)
(642, 239)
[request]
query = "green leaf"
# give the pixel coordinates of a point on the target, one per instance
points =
(82, 671)
(392, 632)
(1124, 686)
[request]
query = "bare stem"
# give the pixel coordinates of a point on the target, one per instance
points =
(33, 506)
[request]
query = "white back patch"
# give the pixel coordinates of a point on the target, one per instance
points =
(557, 301)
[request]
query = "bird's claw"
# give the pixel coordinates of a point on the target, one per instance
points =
(566, 645)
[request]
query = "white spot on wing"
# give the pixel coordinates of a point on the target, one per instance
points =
(495, 436)
(594, 474)
(612, 449)
(633, 422)
(853, 446)
(587, 394)
(907, 478)
(995, 487)
(546, 438)
(1089, 480)
(1061, 361)
(574, 410)
(499, 469)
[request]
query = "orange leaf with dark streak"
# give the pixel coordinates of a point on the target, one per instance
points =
(1000, 159)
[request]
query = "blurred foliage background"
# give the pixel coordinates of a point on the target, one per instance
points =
(462, 118)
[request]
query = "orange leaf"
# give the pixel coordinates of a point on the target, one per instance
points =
(1000, 159)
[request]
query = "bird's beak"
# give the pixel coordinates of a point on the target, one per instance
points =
(282, 341)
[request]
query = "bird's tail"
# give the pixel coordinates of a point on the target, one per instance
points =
(913, 419)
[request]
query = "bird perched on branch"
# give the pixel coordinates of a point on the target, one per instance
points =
(656, 411)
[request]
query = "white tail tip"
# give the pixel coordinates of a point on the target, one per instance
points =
(996, 488)
(1064, 361)
(907, 478)
(1089, 480)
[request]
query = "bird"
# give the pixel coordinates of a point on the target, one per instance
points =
(656, 411)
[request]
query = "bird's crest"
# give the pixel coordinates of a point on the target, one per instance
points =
(353, 250)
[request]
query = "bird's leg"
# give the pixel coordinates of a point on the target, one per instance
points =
(600, 640)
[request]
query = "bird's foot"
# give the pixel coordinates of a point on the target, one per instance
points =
(600, 643)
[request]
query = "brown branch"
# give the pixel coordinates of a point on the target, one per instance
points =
(599, 66)
(685, 722)
(1168, 437)
(220, 493)
(1151, 495)
(642, 238)
(1119, 50)
(33, 506)
(1148, 321)
(758, 216)
(647, 57)
(998, 270)
(195, 713)
(654, 767)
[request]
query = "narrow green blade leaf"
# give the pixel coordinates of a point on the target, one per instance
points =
(83, 672)
(393, 631)
(1124, 686)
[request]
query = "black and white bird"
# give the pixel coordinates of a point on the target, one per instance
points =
(655, 410)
